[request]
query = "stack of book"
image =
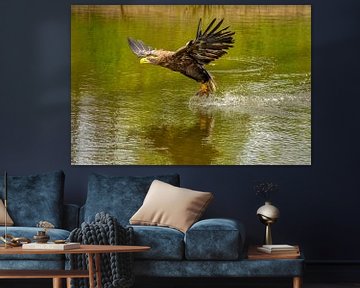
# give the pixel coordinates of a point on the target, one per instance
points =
(282, 251)
(51, 246)
(278, 249)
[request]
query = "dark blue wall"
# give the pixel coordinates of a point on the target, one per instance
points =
(318, 203)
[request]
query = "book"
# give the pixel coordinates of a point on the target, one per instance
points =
(51, 246)
(277, 249)
(255, 254)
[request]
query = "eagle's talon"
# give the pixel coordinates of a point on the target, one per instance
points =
(204, 90)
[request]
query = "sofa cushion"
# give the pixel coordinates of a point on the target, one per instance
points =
(29, 232)
(170, 206)
(165, 243)
(120, 196)
(214, 239)
(35, 198)
(9, 221)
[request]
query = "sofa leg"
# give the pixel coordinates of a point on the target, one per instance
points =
(57, 283)
(297, 282)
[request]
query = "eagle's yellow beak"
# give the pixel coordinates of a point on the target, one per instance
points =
(144, 61)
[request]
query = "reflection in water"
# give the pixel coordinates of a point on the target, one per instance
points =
(126, 113)
(174, 140)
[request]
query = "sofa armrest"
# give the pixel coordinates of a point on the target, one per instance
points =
(71, 216)
(215, 239)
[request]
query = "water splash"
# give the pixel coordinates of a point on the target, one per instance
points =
(233, 101)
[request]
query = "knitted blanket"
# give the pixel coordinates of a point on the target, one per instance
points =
(116, 268)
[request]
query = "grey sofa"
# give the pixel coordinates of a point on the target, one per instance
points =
(32, 199)
(210, 248)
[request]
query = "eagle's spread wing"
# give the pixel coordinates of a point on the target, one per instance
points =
(140, 48)
(208, 45)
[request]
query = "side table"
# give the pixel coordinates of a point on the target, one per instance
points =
(255, 255)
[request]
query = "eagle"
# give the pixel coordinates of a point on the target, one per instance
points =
(190, 60)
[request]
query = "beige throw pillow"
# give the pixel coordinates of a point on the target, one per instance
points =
(9, 221)
(170, 206)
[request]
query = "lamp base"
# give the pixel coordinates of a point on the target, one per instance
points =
(268, 237)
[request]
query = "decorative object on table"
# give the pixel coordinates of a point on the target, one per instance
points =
(41, 236)
(268, 213)
(11, 241)
(116, 268)
(45, 225)
(61, 241)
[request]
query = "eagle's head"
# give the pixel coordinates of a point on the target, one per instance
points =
(146, 53)
(150, 59)
(149, 55)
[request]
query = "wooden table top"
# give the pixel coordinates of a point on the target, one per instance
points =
(91, 249)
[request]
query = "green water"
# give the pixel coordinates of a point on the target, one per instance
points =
(128, 113)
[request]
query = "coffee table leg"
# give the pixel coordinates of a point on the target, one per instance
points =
(98, 270)
(297, 282)
(91, 270)
(68, 282)
(57, 283)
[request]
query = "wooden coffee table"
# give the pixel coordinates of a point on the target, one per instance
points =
(94, 267)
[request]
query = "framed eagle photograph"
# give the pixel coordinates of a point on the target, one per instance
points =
(191, 84)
